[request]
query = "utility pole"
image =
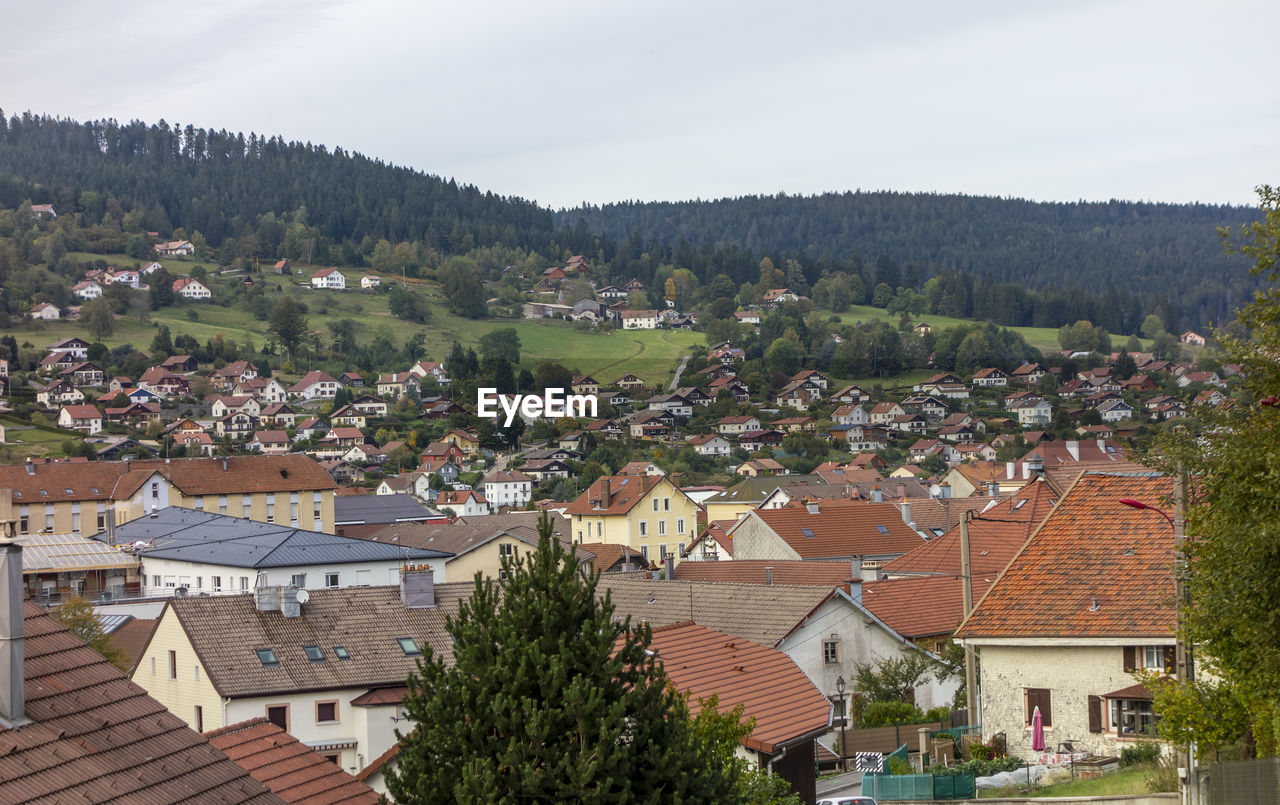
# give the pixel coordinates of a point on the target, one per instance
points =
(970, 657)
(1184, 663)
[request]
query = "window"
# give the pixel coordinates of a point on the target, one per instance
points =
(102, 522)
(199, 719)
(1153, 657)
(837, 713)
(331, 580)
(173, 664)
(153, 666)
(314, 653)
(1132, 717)
(409, 647)
(298, 579)
(48, 522)
(644, 551)
(326, 711)
(22, 525)
(293, 513)
(644, 528)
(216, 581)
(196, 673)
(341, 653)
(332, 758)
(680, 526)
(507, 550)
(199, 504)
(271, 511)
(662, 551)
(831, 651)
(244, 583)
(155, 581)
(662, 526)
(1039, 697)
(278, 714)
(362, 578)
(268, 657)
(222, 504)
(666, 504)
(655, 504)
(75, 522)
(155, 491)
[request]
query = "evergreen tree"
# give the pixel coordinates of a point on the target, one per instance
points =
(288, 324)
(550, 699)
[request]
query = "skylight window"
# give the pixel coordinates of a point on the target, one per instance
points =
(314, 653)
(69, 491)
(882, 529)
(1019, 505)
(341, 652)
(409, 647)
(806, 532)
(268, 658)
(44, 493)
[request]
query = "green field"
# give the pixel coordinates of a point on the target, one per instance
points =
(651, 354)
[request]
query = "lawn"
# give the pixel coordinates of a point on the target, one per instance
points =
(1133, 780)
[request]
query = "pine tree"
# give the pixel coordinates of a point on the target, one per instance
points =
(550, 699)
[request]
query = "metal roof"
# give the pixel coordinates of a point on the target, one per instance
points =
(49, 553)
(194, 536)
(360, 509)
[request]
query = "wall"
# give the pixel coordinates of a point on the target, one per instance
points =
(191, 688)
(199, 575)
(752, 539)
(1071, 674)
(625, 529)
(485, 559)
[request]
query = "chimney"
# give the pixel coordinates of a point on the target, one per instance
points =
(31, 467)
(872, 571)
(768, 575)
(906, 511)
(224, 465)
(902, 491)
(290, 606)
(12, 675)
(417, 587)
(1011, 470)
(605, 495)
(876, 495)
(855, 567)
(1073, 447)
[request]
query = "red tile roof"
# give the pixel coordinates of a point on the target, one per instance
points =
(1094, 568)
(132, 638)
(97, 737)
(625, 491)
(287, 766)
(772, 689)
(841, 528)
(921, 606)
(754, 571)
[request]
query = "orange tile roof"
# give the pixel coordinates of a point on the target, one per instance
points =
(772, 689)
(995, 535)
(97, 737)
(930, 514)
(921, 606)
(753, 571)
(1094, 568)
(290, 768)
(607, 555)
(841, 528)
(625, 491)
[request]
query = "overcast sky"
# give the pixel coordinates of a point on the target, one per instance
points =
(563, 101)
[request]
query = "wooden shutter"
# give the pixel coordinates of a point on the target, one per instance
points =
(1046, 710)
(1095, 714)
(1130, 659)
(1039, 697)
(1170, 659)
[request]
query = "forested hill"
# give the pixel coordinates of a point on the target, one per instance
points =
(1169, 250)
(218, 183)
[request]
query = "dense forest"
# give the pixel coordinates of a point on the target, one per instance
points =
(259, 198)
(1169, 254)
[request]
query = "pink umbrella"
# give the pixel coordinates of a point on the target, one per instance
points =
(1037, 730)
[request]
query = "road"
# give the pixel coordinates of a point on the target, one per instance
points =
(675, 381)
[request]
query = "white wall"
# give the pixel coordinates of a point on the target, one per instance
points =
(198, 576)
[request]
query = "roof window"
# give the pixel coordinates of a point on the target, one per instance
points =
(44, 493)
(1019, 504)
(409, 647)
(807, 532)
(882, 529)
(341, 652)
(314, 653)
(268, 658)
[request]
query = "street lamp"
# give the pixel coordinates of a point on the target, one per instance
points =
(844, 722)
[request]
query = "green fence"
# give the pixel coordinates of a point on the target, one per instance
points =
(956, 732)
(897, 787)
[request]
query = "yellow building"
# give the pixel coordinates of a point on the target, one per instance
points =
(468, 444)
(86, 497)
(648, 513)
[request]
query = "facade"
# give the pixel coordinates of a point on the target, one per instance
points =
(648, 513)
(330, 278)
(189, 288)
(508, 488)
(85, 418)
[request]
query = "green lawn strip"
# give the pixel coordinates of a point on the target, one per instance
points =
(1133, 780)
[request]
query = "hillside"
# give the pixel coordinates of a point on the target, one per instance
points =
(1169, 254)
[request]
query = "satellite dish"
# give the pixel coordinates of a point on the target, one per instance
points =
(303, 596)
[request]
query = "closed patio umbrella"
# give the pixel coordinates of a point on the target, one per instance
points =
(1037, 730)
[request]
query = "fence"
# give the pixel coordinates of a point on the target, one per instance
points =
(1243, 782)
(886, 739)
(896, 787)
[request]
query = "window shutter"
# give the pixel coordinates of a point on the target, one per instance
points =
(1095, 714)
(1046, 710)
(1130, 659)
(1170, 659)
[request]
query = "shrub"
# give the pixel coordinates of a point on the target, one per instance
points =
(883, 714)
(1138, 754)
(940, 713)
(899, 766)
(980, 768)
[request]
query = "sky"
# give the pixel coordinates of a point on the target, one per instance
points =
(565, 102)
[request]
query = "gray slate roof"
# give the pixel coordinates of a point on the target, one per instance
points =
(360, 509)
(193, 536)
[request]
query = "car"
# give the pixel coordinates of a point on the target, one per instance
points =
(847, 801)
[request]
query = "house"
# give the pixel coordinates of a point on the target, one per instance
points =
(677, 406)
(233, 373)
(43, 211)
(351, 379)
(84, 418)
(189, 288)
(1115, 410)
(945, 384)
(223, 405)
(799, 394)
(278, 414)
(829, 529)
(1032, 412)
(507, 488)
(648, 513)
(433, 369)
(639, 319)
(349, 416)
(1028, 374)
(462, 503)
(84, 374)
(584, 384)
(991, 377)
(135, 414)
(776, 297)
(885, 412)
(87, 289)
(465, 441)
(330, 278)
(751, 317)
(795, 424)
(1086, 601)
(238, 425)
(630, 383)
(363, 516)
(850, 414)
(94, 736)
(710, 444)
(369, 281)
(315, 385)
(164, 383)
(292, 770)
(342, 472)
(332, 673)
(759, 468)
(753, 440)
(611, 293)
(1209, 378)
(447, 470)
(1193, 338)
(850, 395)
(270, 442)
(180, 363)
(542, 469)
(45, 312)
(397, 384)
(175, 248)
(733, 425)
(67, 496)
(282, 267)
(788, 712)
(216, 554)
(60, 392)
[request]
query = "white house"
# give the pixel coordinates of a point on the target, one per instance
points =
(711, 444)
(45, 311)
(315, 385)
(329, 278)
(370, 281)
(639, 319)
(508, 488)
(189, 288)
(80, 417)
(87, 289)
(1032, 412)
(176, 247)
(463, 503)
